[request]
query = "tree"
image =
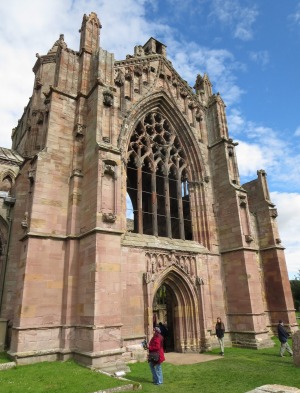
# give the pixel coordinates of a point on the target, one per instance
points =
(295, 287)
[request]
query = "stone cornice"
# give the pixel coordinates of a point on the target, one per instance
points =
(254, 249)
(70, 237)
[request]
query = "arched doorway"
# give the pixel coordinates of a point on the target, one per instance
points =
(163, 306)
(175, 299)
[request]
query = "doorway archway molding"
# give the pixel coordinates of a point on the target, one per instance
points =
(188, 306)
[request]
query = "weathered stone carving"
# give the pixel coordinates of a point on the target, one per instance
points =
(198, 115)
(191, 104)
(31, 175)
(24, 222)
(79, 130)
(273, 213)
(120, 78)
(199, 280)
(110, 170)
(109, 217)
(158, 262)
(108, 98)
(138, 70)
(38, 84)
(183, 92)
(249, 238)
(139, 51)
(230, 151)
(128, 73)
(243, 201)
(40, 119)
(174, 81)
(199, 85)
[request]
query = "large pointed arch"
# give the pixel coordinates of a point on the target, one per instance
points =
(168, 107)
(186, 327)
(196, 226)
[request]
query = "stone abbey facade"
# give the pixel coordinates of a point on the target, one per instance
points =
(123, 188)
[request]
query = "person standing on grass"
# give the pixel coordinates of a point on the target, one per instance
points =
(156, 345)
(220, 330)
(283, 336)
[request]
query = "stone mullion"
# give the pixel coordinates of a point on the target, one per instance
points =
(167, 204)
(154, 203)
(195, 215)
(180, 209)
(140, 195)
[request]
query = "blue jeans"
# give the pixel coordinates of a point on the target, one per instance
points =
(157, 374)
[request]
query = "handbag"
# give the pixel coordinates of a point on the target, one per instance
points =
(153, 357)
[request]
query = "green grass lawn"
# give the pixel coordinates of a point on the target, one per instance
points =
(54, 377)
(4, 358)
(239, 371)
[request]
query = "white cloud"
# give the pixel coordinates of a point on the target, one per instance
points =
(297, 132)
(236, 122)
(189, 59)
(239, 18)
(65, 17)
(261, 147)
(251, 157)
(288, 207)
(260, 57)
(295, 17)
(33, 26)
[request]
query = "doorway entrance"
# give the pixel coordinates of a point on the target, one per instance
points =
(163, 316)
(176, 303)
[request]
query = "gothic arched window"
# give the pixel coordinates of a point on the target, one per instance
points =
(157, 180)
(6, 184)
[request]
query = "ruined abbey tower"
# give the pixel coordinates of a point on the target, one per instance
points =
(126, 208)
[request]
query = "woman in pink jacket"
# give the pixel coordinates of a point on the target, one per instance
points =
(156, 345)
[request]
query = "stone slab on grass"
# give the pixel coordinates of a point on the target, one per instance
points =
(6, 366)
(275, 389)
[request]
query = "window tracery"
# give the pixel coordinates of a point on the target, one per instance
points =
(157, 179)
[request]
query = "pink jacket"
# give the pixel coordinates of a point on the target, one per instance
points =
(156, 345)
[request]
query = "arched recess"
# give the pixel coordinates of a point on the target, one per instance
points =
(7, 180)
(188, 332)
(192, 176)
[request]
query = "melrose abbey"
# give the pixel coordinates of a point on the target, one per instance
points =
(121, 206)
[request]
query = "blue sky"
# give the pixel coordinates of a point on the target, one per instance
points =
(250, 50)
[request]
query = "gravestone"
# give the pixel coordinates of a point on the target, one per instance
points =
(296, 348)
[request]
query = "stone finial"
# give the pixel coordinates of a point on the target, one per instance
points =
(198, 84)
(90, 33)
